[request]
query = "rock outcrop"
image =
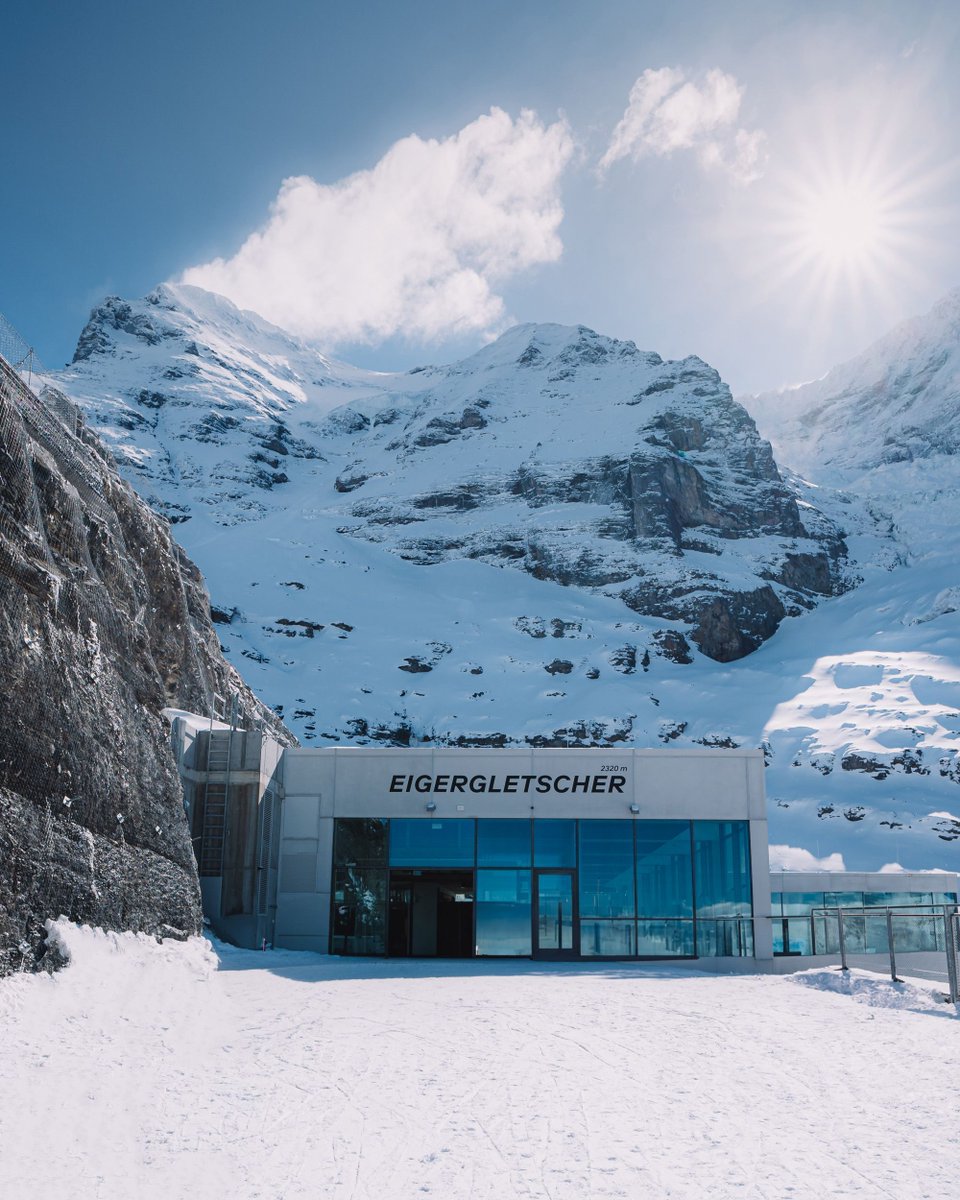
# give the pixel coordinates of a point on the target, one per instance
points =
(103, 623)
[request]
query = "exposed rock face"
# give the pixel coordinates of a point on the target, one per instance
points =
(103, 622)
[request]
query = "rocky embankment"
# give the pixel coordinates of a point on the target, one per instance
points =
(103, 622)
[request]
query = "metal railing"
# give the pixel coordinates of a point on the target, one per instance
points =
(888, 932)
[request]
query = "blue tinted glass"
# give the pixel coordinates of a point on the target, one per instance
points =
(554, 843)
(776, 900)
(427, 843)
(801, 904)
(722, 861)
(724, 938)
(359, 911)
(799, 935)
(503, 843)
(612, 938)
(843, 899)
(360, 841)
(606, 869)
(658, 938)
(503, 912)
(664, 869)
(886, 899)
(913, 932)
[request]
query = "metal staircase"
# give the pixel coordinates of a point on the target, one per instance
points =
(219, 746)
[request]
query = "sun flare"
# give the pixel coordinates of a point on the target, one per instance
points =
(843, 225)
(847, 230)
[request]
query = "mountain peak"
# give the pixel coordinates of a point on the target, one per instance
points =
(900, 395)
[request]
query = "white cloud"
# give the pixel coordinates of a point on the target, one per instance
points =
(667, 112)
(795, 858)
(897, 869)
(415, 246)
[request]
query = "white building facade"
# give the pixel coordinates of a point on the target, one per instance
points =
(544, 853)
(576, 854)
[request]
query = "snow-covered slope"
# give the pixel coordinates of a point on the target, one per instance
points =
(897, 402)
(560, 539)
(880, 435)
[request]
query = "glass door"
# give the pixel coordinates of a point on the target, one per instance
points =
(554, 927)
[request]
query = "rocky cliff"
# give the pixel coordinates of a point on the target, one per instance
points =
(103, 622)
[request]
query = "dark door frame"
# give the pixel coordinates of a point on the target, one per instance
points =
(574, 950)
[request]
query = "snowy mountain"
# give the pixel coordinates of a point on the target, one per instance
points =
(880, 436)
(561, 539)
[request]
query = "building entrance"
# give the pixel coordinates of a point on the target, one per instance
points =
(554, 926)
(431, 914)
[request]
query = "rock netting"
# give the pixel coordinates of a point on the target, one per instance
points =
(103, 623)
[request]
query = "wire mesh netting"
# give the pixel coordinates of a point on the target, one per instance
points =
(17, 352)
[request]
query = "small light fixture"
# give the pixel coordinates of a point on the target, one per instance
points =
(431, 806)
(634, 808)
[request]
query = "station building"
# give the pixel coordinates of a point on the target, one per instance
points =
(574, 854)
(544, 853)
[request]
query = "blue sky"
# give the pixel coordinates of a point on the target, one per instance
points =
(144, 140)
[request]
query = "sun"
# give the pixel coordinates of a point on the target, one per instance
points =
(841, 228)
(849, 222)
(844, 225)
(844, 232)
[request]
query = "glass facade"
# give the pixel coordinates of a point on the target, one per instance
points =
(554, 843)
(504, 912)
(503, 843)
(587, 888)
(429, 843)
(606, 869)
(665, 869)
(807, 922)
(607, 939)
(359, 924)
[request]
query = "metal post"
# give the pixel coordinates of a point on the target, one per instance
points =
(843, 944)
(893, 956)
(950, 937)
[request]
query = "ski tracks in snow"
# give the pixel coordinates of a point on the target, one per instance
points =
(296, 1077)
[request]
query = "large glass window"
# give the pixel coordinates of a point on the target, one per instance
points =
(722, 860)
(420, 842)
(792, 935)
(841, 900)
(892, 899)
(503, 912)
(503, 843)
(360, 842)
(613, 939)
(726, 937)
(664, 869)
(359, 885)
(659, 938)
(359, 910)
(606, 869)
(554, 843)
(801, 904)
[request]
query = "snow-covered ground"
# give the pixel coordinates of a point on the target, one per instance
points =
(180, 1070)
